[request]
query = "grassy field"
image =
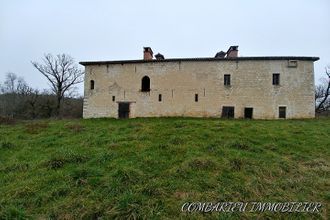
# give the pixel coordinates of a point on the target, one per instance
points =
(148, 168)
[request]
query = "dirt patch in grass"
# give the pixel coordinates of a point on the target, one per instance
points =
(152, 189)
(127, 175)
(240, 145)
(236, 164)
(135, 126)
(319, 166)
(317, 163)
(59, 161)
(113, 145)
(17, 167)
(271, 147)
(36, 127)
(181, 195)
(75, 128)
(80, 176)
(202, 164)
(176, 140)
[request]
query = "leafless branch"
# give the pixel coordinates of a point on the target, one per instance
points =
(62, 73)
(322, 93)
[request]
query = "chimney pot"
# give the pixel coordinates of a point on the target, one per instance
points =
(147, 53)
(220, 54)
(159, 56)
(232, 52)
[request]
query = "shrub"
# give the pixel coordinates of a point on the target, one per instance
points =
(7, 120)
(6, 145)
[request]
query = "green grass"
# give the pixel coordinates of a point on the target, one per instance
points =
(148, 168)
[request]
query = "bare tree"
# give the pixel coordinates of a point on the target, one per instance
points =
(11, 95)
(10, 83)
(13, 84)
(62, 73)
(322, 93)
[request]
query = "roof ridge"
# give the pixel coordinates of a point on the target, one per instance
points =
(306, 58)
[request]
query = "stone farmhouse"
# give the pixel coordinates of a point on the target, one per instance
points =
(226, 85)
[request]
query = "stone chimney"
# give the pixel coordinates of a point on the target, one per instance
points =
(220, 54)
(147, 53)
(232, 52)
(159, 56)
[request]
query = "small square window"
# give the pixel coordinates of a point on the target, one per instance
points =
(276, 79)
(226, 80)
(293, 63)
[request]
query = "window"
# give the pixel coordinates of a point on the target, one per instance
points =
(282, 112)
(293, 63)
(92, 84)
(196, 97)
(145, 87)
(113, 98)
(276, 79)
(228, 112)
(160, 97)
(227, 80)
(248, 113)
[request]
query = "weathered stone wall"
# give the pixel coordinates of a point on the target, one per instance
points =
(179, 81)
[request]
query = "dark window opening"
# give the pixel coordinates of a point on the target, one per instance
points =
(196, 97)
(248, 113)
(113, 98)
(92, 84)
(160, 97)
(282, 112)
(276, 79)
(145, 84)
(293, 63)
(228, 112)
(226, 80)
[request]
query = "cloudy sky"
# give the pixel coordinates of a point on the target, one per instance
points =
(114, 30)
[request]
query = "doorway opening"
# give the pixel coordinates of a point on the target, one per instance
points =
(123, 110)
(228, 112)
(248, 113)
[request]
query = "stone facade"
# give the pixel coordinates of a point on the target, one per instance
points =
(175, 83)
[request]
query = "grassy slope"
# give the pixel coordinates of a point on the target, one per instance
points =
(149, 167)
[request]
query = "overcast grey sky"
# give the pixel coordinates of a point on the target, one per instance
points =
(115, 30)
